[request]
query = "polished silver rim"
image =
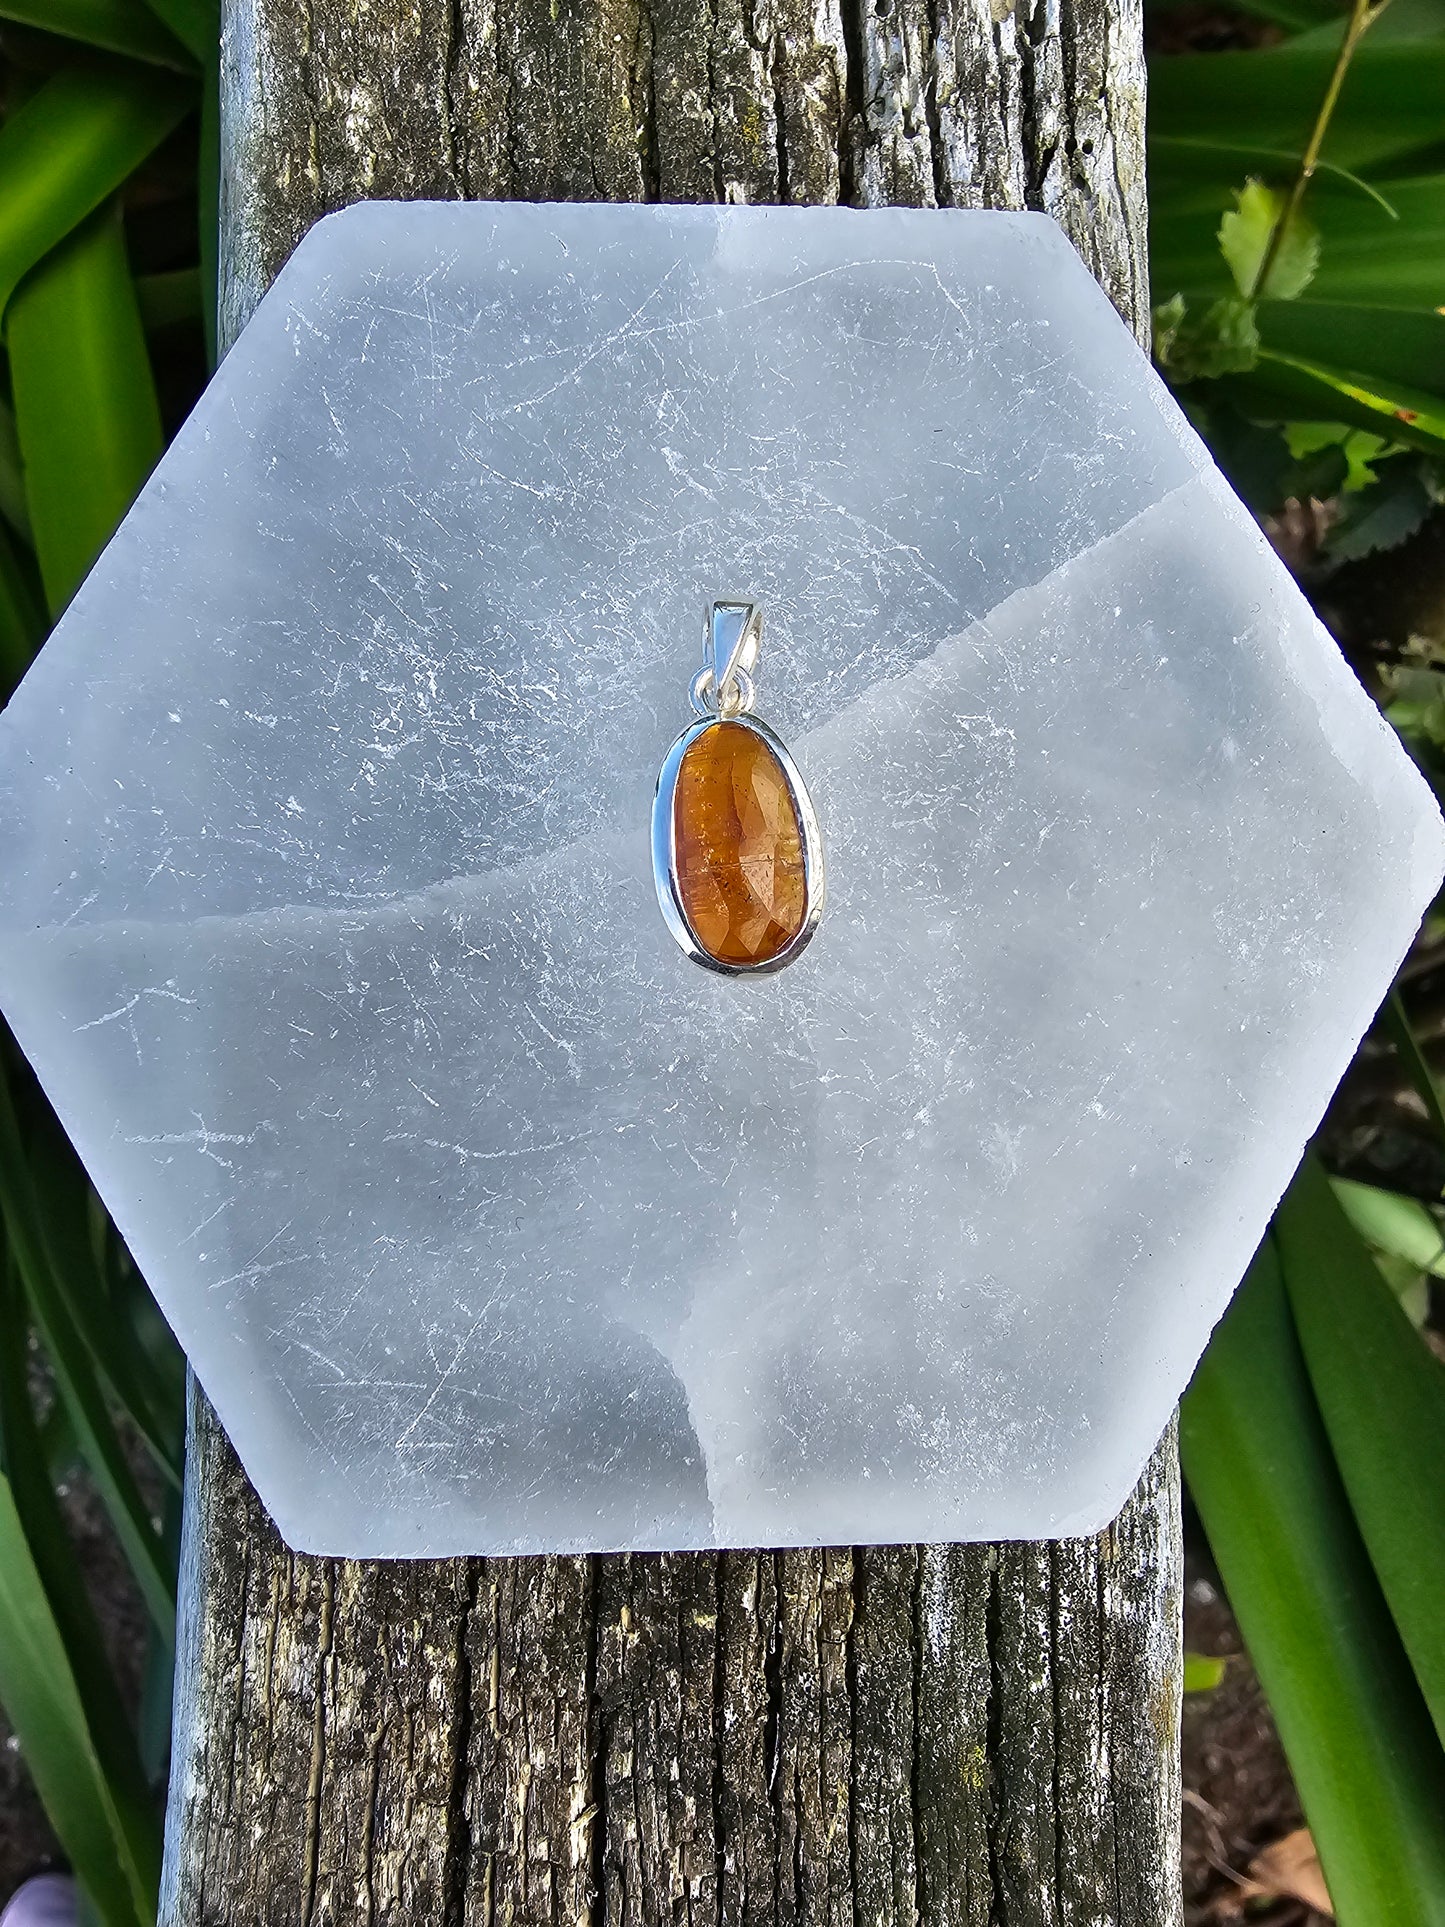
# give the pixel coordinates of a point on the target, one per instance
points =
(664, 850)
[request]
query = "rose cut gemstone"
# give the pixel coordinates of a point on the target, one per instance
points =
(737, 847)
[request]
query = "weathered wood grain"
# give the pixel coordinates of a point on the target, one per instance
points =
(896, 1737)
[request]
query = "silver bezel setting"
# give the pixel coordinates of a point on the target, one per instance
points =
(664, 853)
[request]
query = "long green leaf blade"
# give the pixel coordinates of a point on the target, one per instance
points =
(1278, 390)
(76, 1380)
(1397, 1027)
(1381, 1393)
(1404, 347)
(85, 399)
(22, 620)
(1364, 1754)
(44, 1707)
(134, 1821)
(115, 26)
(62, 1197)
(68, 148)
(195, 23)
(1392, 104)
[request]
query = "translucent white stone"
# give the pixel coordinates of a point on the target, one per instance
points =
(490, 1222)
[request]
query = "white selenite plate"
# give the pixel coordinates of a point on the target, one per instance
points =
(490, 1222)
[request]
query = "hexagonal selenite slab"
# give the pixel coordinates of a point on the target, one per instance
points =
(490, 1222)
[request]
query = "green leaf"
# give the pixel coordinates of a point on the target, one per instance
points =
(1383, 515)
(1221, 340)
(1396, 1026)
(63, 1196)
(1401, 20)
(1318, 476)
(1295, 16)
(58, 1567)
(1284, 391)
(1359, 449)
(1246, 234)
(1367, 259)
(1406, 414)
(1411, 1287)
(1256, 459)
(44, 1707)
(1385, 348)
(1392, 104)
(1365, 1757)
(1393, 1223)
(85, 399)
(195, 23)
(12, 482)
(116, 26)
(75, 1378)
(1202, 1672)
(69, 147)
(168, 299)
(22, 620)
(1381, 1392)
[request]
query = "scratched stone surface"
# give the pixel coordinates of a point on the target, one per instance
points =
(490, 1222)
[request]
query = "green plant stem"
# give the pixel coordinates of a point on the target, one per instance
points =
(1363, 15)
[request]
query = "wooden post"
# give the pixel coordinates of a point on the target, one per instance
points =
(899, 1737)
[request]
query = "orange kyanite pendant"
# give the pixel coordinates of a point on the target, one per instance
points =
(736, 854)
(737, 847)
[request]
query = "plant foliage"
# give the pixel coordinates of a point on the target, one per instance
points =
(100, 130)
(1298, 253)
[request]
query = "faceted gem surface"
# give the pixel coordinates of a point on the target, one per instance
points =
(738, 847)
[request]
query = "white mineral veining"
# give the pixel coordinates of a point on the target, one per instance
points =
(489, 1221)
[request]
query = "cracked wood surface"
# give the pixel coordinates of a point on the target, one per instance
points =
(888, 1737)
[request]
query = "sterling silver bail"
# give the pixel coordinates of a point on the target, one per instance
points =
(732, 638)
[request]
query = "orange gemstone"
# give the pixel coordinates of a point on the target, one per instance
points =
(738, 847)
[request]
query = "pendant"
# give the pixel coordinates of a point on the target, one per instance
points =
(736, 854)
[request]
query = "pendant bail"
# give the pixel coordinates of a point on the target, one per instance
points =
(730, 650)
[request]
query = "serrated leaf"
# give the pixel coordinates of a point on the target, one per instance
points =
(1383, 515)
(1222, 340)
(1320, 476)
(1360, 449)
(1247, 239)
